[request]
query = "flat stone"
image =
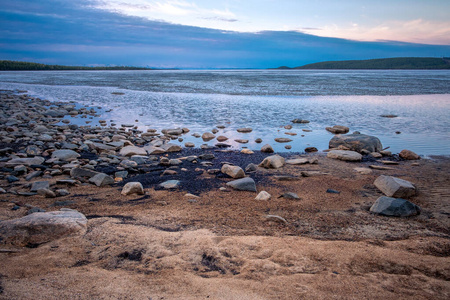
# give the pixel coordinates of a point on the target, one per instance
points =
(42, 227)
(272, 162)
(395, 187)
(65, 155)
(241, 141)
(344, 155)
(283, 140)
(338, 129)
(132, 150)
(244, 130)
(300, 121)
(243, 184)
(297, 161)
(222, 138)
(39, 185)
(290, 195)
(133, 188)
(80, 173)
(170, 184)
(394, 207)
(37, 160)
(376, 167)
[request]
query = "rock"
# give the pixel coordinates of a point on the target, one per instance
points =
(133, 188)
(151, 150)
(244, 130)
(288, 127)
(176, 131)
(26, 161)
(375, 155)
(291, 133)
(233, 171)
(243, 184)
(80, 173)
(46, 193)
(388, 116)
(33, 175)
(35, 210)
(241, 141)
(62, 192)
(395, 187)
(267, 148)
(356, 142)
(65, 155)
(258, 141)
(288, 147)
(283, 140)
(39, 185)
(376, 167)
(222, 138)
(169, 172)
(331, 191)
(394, 207)
(344, 155)
(171, 147)
(251, 168)
(67, 181)
(170, 184)
(121, 174)
(189, 144)
(364, 171)
(12, 178)
(128, 164)
(101, 179)
(408, 155)
(300, 121)
(275, 218)
(286, 178)
(263, 196)
(311, 149)
(206, 156)
(290, 195)
(338, 129)
(33, 150)
(42, 227)
(313, 173)
(132, 150)
(247, 151)
(272, 162)
(207, 136)
(297, 161)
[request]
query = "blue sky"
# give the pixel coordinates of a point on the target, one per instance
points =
(220, 34)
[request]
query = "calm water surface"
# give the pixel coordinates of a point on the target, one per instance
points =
(263, 100)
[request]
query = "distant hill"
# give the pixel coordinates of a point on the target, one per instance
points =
(9, 65)
(408, 63)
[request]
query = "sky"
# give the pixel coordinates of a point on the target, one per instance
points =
(220, 34)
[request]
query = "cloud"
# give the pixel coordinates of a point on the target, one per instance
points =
(415, 31)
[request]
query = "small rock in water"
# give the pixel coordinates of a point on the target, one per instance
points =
(222, 138)
(338, 129)
(389, 116)
(258, 141)
(300, 121)
(408, 155)
(283, 140)
(241, 141)
(207, 136)
(244, 130)
(267, 148)
(311, 149)
(247, 151)
(288, 147)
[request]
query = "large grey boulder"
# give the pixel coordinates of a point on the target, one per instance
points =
(272, 162)
(395, 187)
(344, 155)
(65, 155)
(356, 142)
(243, 184)
(132, 150)
(42, 227)
(395, 207)
(233, 171)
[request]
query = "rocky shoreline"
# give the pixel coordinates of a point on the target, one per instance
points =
(59, 180)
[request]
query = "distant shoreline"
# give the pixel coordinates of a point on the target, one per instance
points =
(399, 63)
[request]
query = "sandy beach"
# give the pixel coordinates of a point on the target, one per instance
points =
(204, 239)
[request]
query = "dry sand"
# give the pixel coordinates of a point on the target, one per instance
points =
(163, 246)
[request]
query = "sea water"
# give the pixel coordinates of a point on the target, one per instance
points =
(264, 100)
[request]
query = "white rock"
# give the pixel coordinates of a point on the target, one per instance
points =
(133, 188)
(263, 196)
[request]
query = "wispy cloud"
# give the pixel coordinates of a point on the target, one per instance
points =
(415, 31)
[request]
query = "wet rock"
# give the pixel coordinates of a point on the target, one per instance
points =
(344, 155)
(300, 121)
(394, 207)
(356, 142)
(267, 148)
(283, 140)
(65, 155)
(338, 129)
(395, 187)
(222, 138)
(263, 196)
(207, 136)
(42, 227)
(233, 171)
(408, 155)
(176, 131)
(132, 150)
(244, 130)
(101, 179)
(288, 127)
(388, 116)
(243, 184)
(272, 162)
(258, 141)
(311, 149)
(133, 188)
(241, 141)
(189, 145)
(288, 147)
